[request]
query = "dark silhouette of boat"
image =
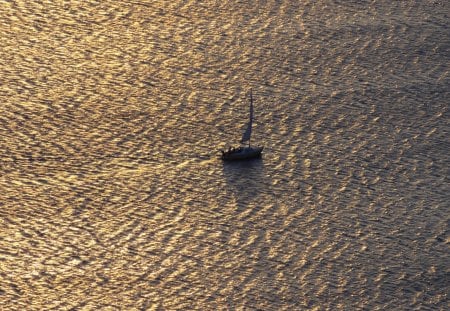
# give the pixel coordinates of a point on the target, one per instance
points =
(247, 152)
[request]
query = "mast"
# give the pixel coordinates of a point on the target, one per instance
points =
(251, 116)
(248, 132)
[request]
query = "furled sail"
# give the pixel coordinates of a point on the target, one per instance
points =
(248, 132)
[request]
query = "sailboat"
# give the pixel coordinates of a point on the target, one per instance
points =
(244, 152)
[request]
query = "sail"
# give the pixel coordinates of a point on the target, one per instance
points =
(248, 132)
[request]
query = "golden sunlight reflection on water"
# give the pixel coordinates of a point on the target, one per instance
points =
(112, 192)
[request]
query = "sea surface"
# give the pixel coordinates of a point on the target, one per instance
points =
(112, 192)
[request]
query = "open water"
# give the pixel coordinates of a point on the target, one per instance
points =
(112, 194)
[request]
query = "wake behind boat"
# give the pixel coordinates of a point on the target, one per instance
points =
(247, 152)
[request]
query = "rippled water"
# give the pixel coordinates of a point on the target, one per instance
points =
(113, 195)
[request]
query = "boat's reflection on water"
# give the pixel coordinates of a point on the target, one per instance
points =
(246, 179)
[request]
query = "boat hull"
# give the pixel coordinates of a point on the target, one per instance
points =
(243, 153)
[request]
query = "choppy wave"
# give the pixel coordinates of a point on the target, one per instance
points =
(112, 192)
